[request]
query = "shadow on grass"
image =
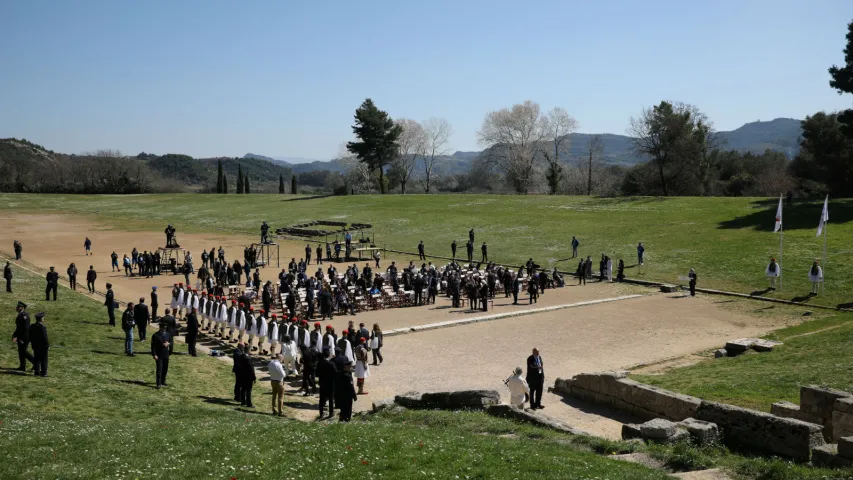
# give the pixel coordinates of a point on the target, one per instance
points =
(216, 401)
(301, 405)
(801, 216)
(13, 371)
(101, 352)
(758, 293)
(138, 383)
(845, 305)
(802, 299)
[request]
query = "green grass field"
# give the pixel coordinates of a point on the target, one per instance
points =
(728, 240)
(97, 416)
(815, 352)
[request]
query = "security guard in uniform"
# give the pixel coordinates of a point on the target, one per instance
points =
(52, 279)
(21, 337)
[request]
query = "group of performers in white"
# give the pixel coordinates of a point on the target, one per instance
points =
(774, 272)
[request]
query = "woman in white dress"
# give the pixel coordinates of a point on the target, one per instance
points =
(816, 277)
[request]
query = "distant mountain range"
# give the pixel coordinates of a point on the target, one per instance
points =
(781, 134)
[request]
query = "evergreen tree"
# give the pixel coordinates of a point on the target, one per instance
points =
(842, 81)
(219, 178)
(293, 184)
(280, 183)
(224, 184)
(553, 176)
(239, 179)
(246, 184)
(378, 138)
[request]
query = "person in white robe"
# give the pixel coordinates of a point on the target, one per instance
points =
(251, 327)
(288, 350)
(223, 316)
(519, 391)
(196, 301)
(273, 334)
(609, 267)
(346, 347)
(329, 341)
(262, 328)
(202, 303)
(240, 323)
(362, 369)
(773, 272)
(232, 320)
(180, 302)
(816, 277)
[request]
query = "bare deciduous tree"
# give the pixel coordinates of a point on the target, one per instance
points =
(437, 131)
(513, 139)
(411, 145)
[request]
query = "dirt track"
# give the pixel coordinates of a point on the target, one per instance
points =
(590, 338)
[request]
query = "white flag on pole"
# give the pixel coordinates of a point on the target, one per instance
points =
(778, 216)
(824, 216)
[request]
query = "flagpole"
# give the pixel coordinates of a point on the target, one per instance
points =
(781, 240)
(823, 267)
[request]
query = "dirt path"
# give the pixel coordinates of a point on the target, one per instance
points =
(589, 338)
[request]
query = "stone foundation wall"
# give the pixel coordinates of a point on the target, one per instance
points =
(614, 390)
(825, 406)
(740, 427)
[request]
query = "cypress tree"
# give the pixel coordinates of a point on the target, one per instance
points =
(246, 184)
(219, 178)
(224, 184)
(293, 184)
(239, 179)
(280, 183)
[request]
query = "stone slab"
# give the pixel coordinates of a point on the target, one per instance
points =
(845, 447)
(658, 428)
(515, 413)
(827, 456)
(720, 353)
(763, 345)
(704, 433)
(631, 431)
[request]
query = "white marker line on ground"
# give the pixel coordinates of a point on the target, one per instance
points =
(488, 318)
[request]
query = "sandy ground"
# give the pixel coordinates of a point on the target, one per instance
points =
(590, 338)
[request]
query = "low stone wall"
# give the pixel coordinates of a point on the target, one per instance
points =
(615, 390)
(740, 427)
(762, 431)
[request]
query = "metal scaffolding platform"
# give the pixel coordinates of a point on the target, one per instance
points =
(265, 253)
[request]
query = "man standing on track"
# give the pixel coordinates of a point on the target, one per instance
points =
(535, 379)
(127, 324)
(71, 271)
(421, 255)
(453, 249)
(154, 303)
(91, 276)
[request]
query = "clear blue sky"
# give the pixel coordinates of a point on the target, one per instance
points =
(282, 78)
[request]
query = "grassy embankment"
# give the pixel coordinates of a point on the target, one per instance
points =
(97, 415)
(728, 240)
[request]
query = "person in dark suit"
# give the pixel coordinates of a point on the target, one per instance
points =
(192, 331)
(110, 303)
(326, 373)
(161, 343)
(246, 374)
(535, 378)
(344, 388)
(266, 297)
(91, 276)
(127, 324)
(235, 369)
(21, 336)
(142, 317)
(52, 279)
(154, 303)
(309, 366)
(7, 275)
(453, 249)
(171, 328)
(38, 339)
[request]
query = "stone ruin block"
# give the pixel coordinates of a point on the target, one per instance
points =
(703, 433)
(658, 428)
(669, 288)
(762, 345)
(827, 456)
(739, 346)
(631, 431)
(842, 417)
(792, 410)
(819, 403)
(760, 431)
(845, 447)
(720, 353)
